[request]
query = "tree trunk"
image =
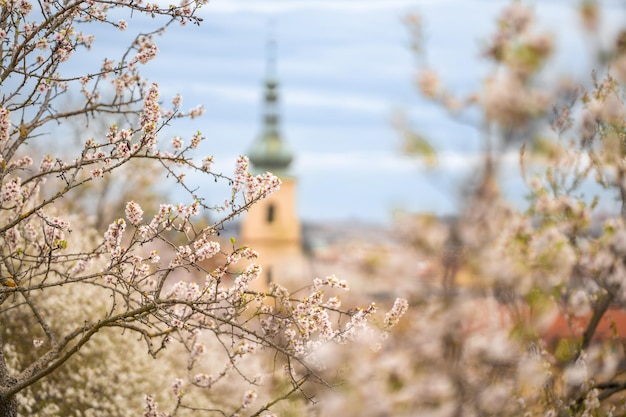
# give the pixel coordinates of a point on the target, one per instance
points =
(8, 407)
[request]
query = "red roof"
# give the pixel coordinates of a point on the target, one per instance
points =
(613, 323)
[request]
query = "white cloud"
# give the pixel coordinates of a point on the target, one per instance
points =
(231, 92)
(335, 100)
(360, 161)
(354, 162)
(283, 6)
(304, 98)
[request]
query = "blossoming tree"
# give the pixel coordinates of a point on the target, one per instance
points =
(72, 295)
(528, 312)
(516, 312)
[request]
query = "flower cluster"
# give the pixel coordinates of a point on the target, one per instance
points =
(248, 399)
(399, 309)
(241, 173)
(261, 186)
(47, 162)
(331, 281)
(311, 326)
(200, 250)
(5, 127)
(11, 191)
(177, 387)
(254, 186)
(196, 112)
(177, 143)
(508, 101)
(205, 249)
(146, 50)
(134, 213)
(169, 217)
(151, 408)
(54, 229)
(207, 163)
(150, 117)
(242, 281)
(113, 237)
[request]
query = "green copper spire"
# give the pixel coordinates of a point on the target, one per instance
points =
(269, 152)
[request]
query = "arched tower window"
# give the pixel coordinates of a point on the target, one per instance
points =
(268, 275)
(271, 213)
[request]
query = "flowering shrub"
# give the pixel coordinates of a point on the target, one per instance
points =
(84, 308)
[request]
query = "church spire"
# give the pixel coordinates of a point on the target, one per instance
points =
(269, 152)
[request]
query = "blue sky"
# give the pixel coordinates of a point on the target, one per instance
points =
(344, 66)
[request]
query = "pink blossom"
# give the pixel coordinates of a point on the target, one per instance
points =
(113, 236)
(196, 139)
(207, 163)
(205, 250)
(43, 87)
(183, 255)
(11, 191)
(176, 386)
(12, 237)
(400, 306)
(177, 142)
(261, 186)
(151, 407)
(107, 65)
(429, 83)
(244, 348)
(46, 164)
(122, 149)
(197, 350)
(330, 281)
(154, 257)
(134, 213)
(248, 398)
(5, 126)
(146, 51)
(185, 290)
(22, 162)
(96, 173)
(333, 303)
(42, 43)
(150, 116)
(249, 253)
(203, 379)
(53, 229)
(241, 172)
(80, 267)
(62, 54)
(196, 112)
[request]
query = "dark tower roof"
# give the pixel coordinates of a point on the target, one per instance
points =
(269, 152)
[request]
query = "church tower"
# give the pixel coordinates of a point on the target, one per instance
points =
(271, 227)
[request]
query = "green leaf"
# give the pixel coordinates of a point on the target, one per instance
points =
(417, 145)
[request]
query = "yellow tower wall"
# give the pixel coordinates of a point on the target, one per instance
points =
(272, 228)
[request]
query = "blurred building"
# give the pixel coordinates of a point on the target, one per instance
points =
(272, 226)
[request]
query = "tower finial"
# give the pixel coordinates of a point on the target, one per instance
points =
(269, 152)
(270, 49)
